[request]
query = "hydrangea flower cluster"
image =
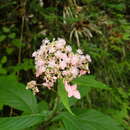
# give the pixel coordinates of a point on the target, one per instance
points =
(55, 60)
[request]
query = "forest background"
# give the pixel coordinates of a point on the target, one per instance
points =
(100, 28)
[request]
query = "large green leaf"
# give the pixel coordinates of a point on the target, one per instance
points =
(20, 122)
(56, 126)
(89, 120)
(42, 106)
(15, 95)
(85, 83)
(63, 95)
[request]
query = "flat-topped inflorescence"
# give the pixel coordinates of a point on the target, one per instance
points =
(55, 60)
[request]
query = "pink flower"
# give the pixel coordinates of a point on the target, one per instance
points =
(74, 60)
(74, 71)
(82, 59)
(62, 65)
(48, 84)
(82, 72)
(58, 54)
(40, 67)
(56, 60)
(34, 54)
(40, 63)
(72, 90)
(88, 58)
(66, 73)
(60, 43)
(45, 41)
(65, 58)
(51, 64)
(52, 50)
(68, 48)
(79, 51)
(40, 70)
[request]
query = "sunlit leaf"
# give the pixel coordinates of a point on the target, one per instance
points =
(15, 95)
(89, 120)
(20, 122)
(85, 83)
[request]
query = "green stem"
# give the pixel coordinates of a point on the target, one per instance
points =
(53, 113)
(54, 109)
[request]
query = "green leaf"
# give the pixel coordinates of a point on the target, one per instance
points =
(63, 95)
(89, 120)
(31, 128)
(18, 43)
(15, 95)
(85, 83)
(1, 106)
(2, 38)
(20, 122)
(56, 127)
(12, 35)
(3, 59)
(25, 65)
(6, 30)
(42, 106)
(9, 50)
(116, 6)
(2, 70)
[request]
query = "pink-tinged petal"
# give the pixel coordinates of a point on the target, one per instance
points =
(52, 50)
(54, 77)
(82, 72)
(79, 51)
(72, 90)
(65, 73)
(64, 56)
(67, 86)
(60, 43)
(51, 63)
(45, 41)
(82, 58)
(62, 65)
(40, 70)
(58, 54)
(74, 60)
(70, 93)
(40, 63)
(68, 48)
(74, 71)
(88, 58)
(47, 85)
(38, 73)
(76, 94)
(73, 87)
(34, 54)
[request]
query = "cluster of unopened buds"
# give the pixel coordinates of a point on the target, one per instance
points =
(55, 60)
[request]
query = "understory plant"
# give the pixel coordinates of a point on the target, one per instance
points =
(66, 90)
(61, 70)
